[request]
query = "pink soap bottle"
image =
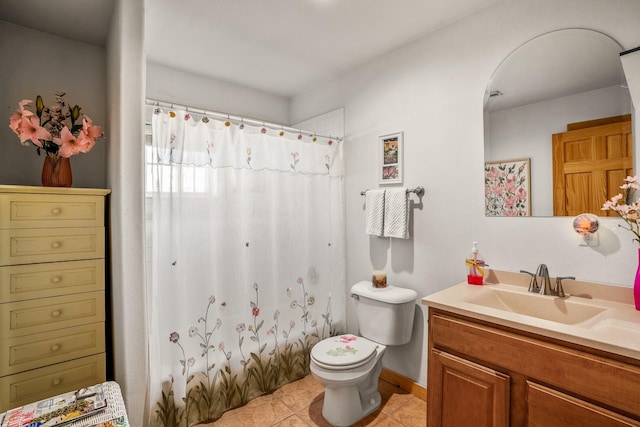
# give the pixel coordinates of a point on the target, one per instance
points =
(475, 267)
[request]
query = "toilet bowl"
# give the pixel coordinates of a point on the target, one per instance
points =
(351, 387)
(349, 366)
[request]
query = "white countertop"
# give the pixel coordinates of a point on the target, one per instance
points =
(615, 328)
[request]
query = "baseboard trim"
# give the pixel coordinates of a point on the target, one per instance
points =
(404, 383)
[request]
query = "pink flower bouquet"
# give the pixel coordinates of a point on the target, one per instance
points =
(59, 130)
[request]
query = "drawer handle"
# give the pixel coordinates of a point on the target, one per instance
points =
(56, 211)
(56, 279)
(55, 347)
(56, 245)
(56, 313)
(56, 382)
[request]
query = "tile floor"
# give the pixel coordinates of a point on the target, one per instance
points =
(299, 404)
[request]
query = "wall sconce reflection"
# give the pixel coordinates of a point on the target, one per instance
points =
(586, 225)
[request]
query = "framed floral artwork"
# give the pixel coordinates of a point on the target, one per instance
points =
(390, 158)
(507, 188)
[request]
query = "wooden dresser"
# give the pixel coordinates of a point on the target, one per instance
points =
(52, 291)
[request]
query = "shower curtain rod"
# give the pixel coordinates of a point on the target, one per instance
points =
(157, 103)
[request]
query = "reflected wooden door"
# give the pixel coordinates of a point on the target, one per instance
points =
(589, 165)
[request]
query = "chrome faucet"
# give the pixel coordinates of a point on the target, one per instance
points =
(545, 282)
(541, 283)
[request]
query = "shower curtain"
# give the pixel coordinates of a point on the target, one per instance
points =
(245, 260)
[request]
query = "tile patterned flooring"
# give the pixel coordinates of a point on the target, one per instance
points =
(299, 404)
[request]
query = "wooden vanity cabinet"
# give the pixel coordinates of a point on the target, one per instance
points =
(483, 374)
(52, 292)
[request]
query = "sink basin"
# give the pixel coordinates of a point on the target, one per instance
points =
(562, 310)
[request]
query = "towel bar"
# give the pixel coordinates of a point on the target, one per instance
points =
(418, 190)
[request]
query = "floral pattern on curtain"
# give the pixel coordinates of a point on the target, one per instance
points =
(245, 231)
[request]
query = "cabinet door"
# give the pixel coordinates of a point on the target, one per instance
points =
(463, 393)
(549, 407)
(32, 281)
(37, 384)
(47, 314)
(26, 246)
(50, 210)
(38, 350)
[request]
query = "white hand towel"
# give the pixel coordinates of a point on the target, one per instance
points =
(374, 210)
(396, 213)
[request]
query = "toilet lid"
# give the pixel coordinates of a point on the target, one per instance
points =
(343, 351)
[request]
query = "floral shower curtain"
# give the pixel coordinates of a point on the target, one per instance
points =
(246, 260)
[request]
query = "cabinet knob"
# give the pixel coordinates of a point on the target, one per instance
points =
(56, 211)
(56, 382)
(56, 313)
(56, 245)
(55, 347)
(56, 279)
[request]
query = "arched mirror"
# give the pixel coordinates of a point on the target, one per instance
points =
(550, 89)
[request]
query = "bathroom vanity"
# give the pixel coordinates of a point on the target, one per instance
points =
(577, 363)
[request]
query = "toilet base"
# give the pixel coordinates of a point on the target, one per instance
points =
(339, 409)
(345, 405)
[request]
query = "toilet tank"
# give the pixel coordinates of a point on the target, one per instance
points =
(385, 315)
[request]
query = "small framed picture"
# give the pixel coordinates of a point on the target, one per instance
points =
(390, 158)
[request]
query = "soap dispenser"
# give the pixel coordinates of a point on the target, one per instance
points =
(475, 265)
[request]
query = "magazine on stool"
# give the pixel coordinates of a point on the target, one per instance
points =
(59, 410)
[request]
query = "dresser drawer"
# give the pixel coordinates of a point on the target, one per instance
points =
(50, 210)
(38, 350)
(23, 282)
(50, 244)
(47, 314)
(31, 386)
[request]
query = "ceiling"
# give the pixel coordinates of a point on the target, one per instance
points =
(86, 20)
(282, 47)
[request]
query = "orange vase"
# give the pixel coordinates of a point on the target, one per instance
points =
(56, 171)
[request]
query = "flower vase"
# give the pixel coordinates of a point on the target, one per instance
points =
(56, 171)
(636, 285)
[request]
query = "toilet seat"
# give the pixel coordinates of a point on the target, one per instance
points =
(343, 352)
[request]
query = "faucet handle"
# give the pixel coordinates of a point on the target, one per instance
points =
(558, 289)
(533, 284)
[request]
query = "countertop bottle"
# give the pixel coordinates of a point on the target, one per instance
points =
(475, 267)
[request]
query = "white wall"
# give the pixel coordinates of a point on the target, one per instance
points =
(183, 88)
(126, 168)
(526, 131)
(36, 63)
(328, 124)
(433, 90)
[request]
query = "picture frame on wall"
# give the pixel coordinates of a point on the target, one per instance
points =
(390, 154)
(507, 187)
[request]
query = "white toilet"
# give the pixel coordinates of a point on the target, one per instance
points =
(349, 366)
